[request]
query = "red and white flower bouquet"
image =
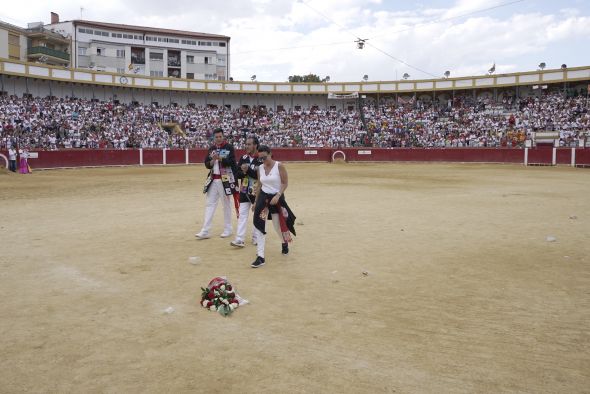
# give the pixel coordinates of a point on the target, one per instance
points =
(220, 296)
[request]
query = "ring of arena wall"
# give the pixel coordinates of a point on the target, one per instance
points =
(68, 158)
(40, 80)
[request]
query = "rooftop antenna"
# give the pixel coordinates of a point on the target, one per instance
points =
(81, 11)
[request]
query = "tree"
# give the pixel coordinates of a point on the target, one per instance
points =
(304, 78)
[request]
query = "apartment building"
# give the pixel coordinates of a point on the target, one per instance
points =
(127, 49)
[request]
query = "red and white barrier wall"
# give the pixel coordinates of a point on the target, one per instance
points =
(111, 157)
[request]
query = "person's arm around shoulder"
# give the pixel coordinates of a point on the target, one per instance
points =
(252, 171)
(241, 173)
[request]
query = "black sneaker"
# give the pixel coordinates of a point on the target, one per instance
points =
(285, 250)
(258, 263)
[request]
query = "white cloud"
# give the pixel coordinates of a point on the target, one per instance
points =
(424, 36)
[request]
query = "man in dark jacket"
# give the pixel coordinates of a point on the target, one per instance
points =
(248, 176)
(220, 184)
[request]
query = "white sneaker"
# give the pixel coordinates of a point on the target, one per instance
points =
(237, 243)
(225, 235)
(202, 235)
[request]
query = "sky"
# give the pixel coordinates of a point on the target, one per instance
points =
(274, 39)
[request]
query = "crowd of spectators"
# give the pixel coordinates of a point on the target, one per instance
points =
(57, 123)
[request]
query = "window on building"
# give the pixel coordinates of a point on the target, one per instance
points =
(120, 53)
(13, 39)
(82, 51)
(222, 44)
(208, 43)
(206, 60)
(120, 71)
(137, 37)
(156, 73)
(137, 55)
(100, 52)
(190, 75)
(156, 56)
(174, 58)
(190, 59)
(97, 33)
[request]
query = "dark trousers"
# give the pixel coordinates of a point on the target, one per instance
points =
(12, 165)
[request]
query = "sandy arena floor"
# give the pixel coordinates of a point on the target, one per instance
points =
(464, 294)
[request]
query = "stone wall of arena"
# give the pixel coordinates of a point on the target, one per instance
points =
(137, 157)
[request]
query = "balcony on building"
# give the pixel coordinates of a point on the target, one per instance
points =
(51, 56)
(47, 46)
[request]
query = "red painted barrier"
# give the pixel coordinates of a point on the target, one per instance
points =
(583, 156)
(152, 156)
(175, 156)
(465, 155)
(311, 154)
(563, 156)
(196, 156)
(84, 158)
(540, 156)
(111, 157)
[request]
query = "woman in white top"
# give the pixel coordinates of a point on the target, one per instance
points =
(271, 204)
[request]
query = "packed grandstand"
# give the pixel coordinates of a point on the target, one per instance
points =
(56, 123)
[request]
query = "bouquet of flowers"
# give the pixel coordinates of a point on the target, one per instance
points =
(220, 296)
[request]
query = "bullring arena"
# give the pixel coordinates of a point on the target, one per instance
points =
(403, 278)
(425, 268)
